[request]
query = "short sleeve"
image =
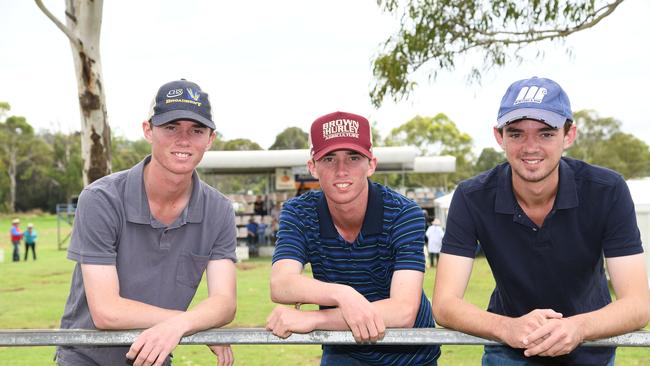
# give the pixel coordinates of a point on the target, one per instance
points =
(291, 240)
(460, 233)
(226, 242)
(621, 236)
(407, 238)
(95, 230)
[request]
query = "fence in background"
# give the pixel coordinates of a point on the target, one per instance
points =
(410, 336)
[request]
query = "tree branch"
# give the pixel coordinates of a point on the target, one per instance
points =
(58, 24)
(540, 35)
(606, 10)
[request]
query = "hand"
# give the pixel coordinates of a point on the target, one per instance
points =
(364, 321)
(557, 337)
(284, 321)
(223, 353)
(154, 344)
(516, 330)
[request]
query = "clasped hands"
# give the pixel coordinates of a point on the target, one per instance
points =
(543, 332)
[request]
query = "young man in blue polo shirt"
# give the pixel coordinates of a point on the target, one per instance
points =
(364, 243)
(544, 222)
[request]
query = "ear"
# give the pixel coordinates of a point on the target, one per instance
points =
(311, 165)
(498, 136)
(147, 131)
(213, 136)
(570, 136)
(372, 166)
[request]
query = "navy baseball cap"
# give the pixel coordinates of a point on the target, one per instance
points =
(536, 98)
(181, 99)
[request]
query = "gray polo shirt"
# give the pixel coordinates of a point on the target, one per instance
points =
(156, 264)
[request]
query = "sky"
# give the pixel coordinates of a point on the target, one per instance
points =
(268, 65)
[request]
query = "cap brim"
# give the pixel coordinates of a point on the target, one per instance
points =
(552, 119)
(342, 146)
(175, 115)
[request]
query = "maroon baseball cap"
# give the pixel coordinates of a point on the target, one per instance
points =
(340, 131)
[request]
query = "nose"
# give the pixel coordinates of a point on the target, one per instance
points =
(531, 144)
(341, 167)
(183, 137)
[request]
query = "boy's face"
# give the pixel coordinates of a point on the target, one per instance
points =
(178, 146)
(533, 148)
(343, 174)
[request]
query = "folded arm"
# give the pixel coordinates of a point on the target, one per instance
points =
(165, 327)
(366, 320)
(630, 311)
(111, 311)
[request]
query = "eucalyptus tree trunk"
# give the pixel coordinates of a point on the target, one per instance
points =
(83, 27)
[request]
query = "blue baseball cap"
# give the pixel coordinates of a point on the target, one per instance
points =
(181, 99)
(535, 98)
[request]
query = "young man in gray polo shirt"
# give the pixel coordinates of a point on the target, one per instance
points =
(143, 237)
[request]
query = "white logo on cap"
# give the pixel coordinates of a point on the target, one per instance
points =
(530, 95)
(174, 93)
(340, 128)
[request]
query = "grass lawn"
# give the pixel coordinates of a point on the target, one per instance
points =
(33, 294)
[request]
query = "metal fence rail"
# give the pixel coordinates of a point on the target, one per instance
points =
(78, 337)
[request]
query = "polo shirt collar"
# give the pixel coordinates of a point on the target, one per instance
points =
(136, 204)
(372, 222)
(567, 194)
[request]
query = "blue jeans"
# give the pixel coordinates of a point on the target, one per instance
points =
(16, 254)
(343, 359)
(336, 359)
(506, 356)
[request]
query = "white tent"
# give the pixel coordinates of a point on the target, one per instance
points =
(441, 207)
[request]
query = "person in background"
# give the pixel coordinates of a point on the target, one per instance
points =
(434, 235)
(252, 232)
(30, 236)
(144, 237)
(259, 206)
(16, 235)
(364, 242)
(261, 233)
(545, 223)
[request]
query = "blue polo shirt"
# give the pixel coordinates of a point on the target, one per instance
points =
(559, 265)
(391, 239)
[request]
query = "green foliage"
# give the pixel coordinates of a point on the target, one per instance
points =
(376, 135)
(67, 166)
(437, 33)
(235, 144)
(433, 136)
(488, 159)
(127, 153)
(4, 108)
(291, 138)
(601, 142)
(18, 146)
(240, 183)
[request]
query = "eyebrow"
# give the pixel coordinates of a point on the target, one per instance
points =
(543, 129)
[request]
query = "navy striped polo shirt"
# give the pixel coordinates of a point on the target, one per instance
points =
(391, 239)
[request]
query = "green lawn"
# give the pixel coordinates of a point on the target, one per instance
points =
(33, 294)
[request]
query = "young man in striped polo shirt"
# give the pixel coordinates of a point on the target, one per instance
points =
(364, 243)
